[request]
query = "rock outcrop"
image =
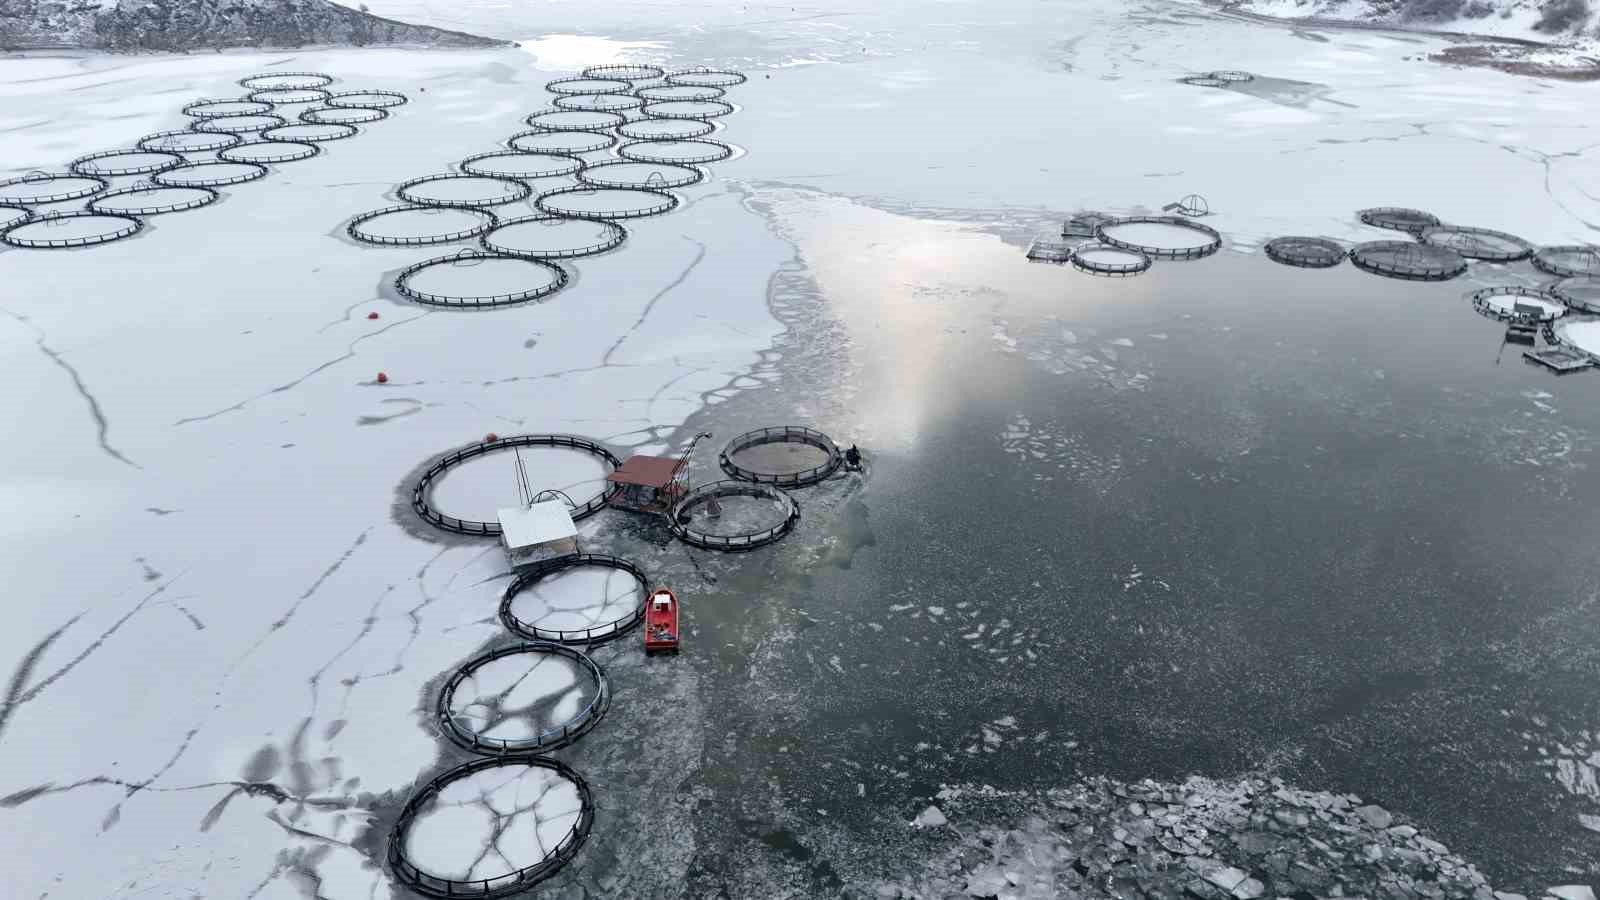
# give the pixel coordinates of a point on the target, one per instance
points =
(191, 25)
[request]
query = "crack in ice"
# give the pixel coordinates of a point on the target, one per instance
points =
(102, 426)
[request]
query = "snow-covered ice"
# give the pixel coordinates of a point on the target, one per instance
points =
(579, 599)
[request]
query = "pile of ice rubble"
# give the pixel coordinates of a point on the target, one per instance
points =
(1201, 840)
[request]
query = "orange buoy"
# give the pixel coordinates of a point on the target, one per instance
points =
(383, 378)
(372, 315)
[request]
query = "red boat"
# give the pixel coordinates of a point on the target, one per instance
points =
(661, 622)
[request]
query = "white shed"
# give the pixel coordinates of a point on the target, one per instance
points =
(537, 532)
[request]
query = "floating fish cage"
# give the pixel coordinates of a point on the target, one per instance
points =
(1568, 261)
(439, 793)
(833, 458)
(1212, 242)
(262, 152)
(421, 493)
(491, 725)
(546, 236)
(596, 632)
(624, 72)
(1098, 258)
(1306, 252)
(459, 280)
(152, 200)
(1579, 292)
(701, 501)
(705, 77)
(1408, 261)
(113, 163)
(43, 187)
(61, 231)
(1477, 243)
(285, 81)
(1398, 218)
(1513, 303)
(410, 225)
(370, 99)
(462, 189)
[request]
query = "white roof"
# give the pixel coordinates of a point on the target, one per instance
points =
(540, 523)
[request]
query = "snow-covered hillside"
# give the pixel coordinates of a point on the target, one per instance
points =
(186, 25)
(1544, 20)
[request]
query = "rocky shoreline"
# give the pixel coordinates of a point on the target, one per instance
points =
(182, 26)
(1199, 840)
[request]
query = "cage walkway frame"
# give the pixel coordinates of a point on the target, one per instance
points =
(1213, 237)
(278, 152)
(528, 576)
(302, 81)
(1579, 292)
(592, 175)
(516, 190)
(402, 281)
(561, 164)
(1140, 263)
(1548, 260)
(1306, 252)
(666, 129)
(223, 125)
(738, 542)
(1480, 303)
(629, 73)
(289, 96)
(342, 115)
(130, 227)
(506, 885)
(1412, 261)
(701, 76)
(616, 233)
(85, 165)
(386, 99)
(205, 197)
(576, 85)
(785, 434)
(564, 142)
(1399, 218)
(43, 178)
(425, 510)
(544, 742)
(353, 229)
(717, 108)
(192, 141)
(1463, 239)
(196, 109)
(550, 202)
(250, 172)
(639, 151)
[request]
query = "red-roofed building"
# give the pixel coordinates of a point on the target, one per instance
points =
(649, 483)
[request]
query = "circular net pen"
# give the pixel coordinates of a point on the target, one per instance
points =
(704, 77)
(598, 102)
(1579, 292)
(13, 215)
(215, 107)
(581, 598)
(790, 456)
(473, 279)
(1159, 237)
(367, 99)
(186, 141)
(523, 698)
(733, 515)
(289, 96)
(534, 813)
(668, 92)
(574, 120)
(606, 203)
(1408, 261)
(1231, 76)
(1105, 259)
(343, 115)
(1512, 303)
(42, 187)
(576, 85)
(1209, 81)
(152, 200)
(1568, 261)
(666, 129)
(210, 174)
(1398, 218)
(567, 142)
(285, 81)
(422, 493)
(1477, 243)
(514, 164)
(675, 152)
(113, 163)
(261, 152)
(240, 125)
(59, 231)
(623, 73)
(462, 189)
(311, 133)
(408, 226)
(553, 237)
(624, 173)
(1579, 336)
(1306, 252)
(686, 109)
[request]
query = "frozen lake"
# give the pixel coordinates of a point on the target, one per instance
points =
(1224, 517)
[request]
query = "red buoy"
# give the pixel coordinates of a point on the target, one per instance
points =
(490, 438)
(372, 315)
(383, 378)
